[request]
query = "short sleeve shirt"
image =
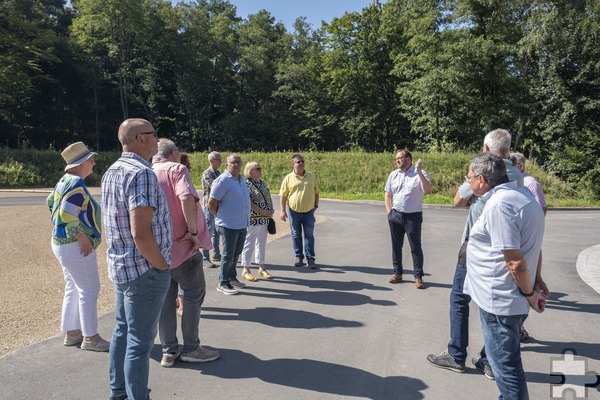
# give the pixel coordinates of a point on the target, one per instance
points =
(208, 177)
(511, 220)
(234, 201)
(406, 190)
(535, 188)
(260, 196)
(176, 182)
(128, 184)
(300, 191)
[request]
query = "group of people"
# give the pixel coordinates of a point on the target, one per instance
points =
(499, 262)
(158, 236)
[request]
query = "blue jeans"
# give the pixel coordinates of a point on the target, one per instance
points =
(502, 336)
(233, 244)
(303, 222)
(214, 234)
(138, 305)
(190, 276)
(459, 318)
(408, 224)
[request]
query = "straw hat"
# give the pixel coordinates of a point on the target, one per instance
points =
(76, 154)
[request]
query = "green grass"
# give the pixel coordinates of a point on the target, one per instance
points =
(355, 175)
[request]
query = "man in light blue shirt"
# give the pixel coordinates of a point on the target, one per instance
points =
(230, 204)
(504, 268)
(496, 142)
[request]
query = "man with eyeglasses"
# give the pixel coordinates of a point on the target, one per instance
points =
(299, 199)
(230, 204)
(504, 264)
(189, 233)
(496, 142)
(138, 239)
(404, 205)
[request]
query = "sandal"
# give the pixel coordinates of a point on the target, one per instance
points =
(264, 273)
(248, 276)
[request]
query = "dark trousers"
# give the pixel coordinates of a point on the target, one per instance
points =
(409, 224)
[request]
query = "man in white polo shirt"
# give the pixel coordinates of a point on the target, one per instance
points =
(503, 265)
(404, 205)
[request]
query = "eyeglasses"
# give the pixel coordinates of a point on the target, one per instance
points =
(469, 178)
(234, 162)
(259, 169)
(401, 158)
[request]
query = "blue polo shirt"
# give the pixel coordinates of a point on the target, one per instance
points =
(234, 201)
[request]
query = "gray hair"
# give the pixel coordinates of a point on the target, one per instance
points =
(491, 167)
(517, 158)
(165, 147)
(212, 155)
(498, 141)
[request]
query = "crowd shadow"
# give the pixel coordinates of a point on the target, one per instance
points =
(324, 297)
(556, 302)
(348, 286)
(589, 350)
(306, 374)
(278, 318)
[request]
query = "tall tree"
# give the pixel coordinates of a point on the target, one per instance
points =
(357, 70)
(27, 43)
(562, 38)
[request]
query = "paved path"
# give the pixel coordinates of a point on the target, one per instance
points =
(342, 331)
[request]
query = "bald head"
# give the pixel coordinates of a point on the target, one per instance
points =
(132, 127)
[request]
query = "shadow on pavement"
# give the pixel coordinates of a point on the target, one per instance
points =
(278, 318)
(306, 374)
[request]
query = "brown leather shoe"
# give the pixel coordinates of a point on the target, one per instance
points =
(396, 278)
(419, 284)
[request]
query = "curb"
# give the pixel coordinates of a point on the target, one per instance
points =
(588, 266)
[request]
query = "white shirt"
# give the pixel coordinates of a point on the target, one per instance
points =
(406, 190)
(511, 220)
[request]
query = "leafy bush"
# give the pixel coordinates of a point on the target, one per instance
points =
(15, 174)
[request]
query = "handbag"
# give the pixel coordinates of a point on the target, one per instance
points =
(271, 227)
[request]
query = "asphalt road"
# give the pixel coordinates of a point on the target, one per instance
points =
(343, 331)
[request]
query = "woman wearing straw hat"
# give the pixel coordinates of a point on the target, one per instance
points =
(77, 230)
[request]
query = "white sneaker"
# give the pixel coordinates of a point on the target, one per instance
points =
(168, 359)
(96, 343)
(226, 288)
(236, 283)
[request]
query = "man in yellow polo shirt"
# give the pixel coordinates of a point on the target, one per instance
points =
(299, 197)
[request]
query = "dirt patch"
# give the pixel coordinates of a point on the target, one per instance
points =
(32, 284)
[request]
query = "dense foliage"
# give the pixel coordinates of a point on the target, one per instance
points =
(429, 75)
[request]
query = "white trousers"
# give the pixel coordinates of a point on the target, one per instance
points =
(256, 240)
(82, 287)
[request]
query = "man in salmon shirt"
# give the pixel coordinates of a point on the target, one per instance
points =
(189, 233)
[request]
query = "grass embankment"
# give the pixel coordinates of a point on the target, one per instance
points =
(342, 175)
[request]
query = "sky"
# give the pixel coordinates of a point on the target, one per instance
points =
(287, 11)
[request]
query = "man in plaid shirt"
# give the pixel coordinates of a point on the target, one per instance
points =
(138, 238)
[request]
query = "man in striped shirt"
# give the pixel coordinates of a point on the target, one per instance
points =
(138, 239)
